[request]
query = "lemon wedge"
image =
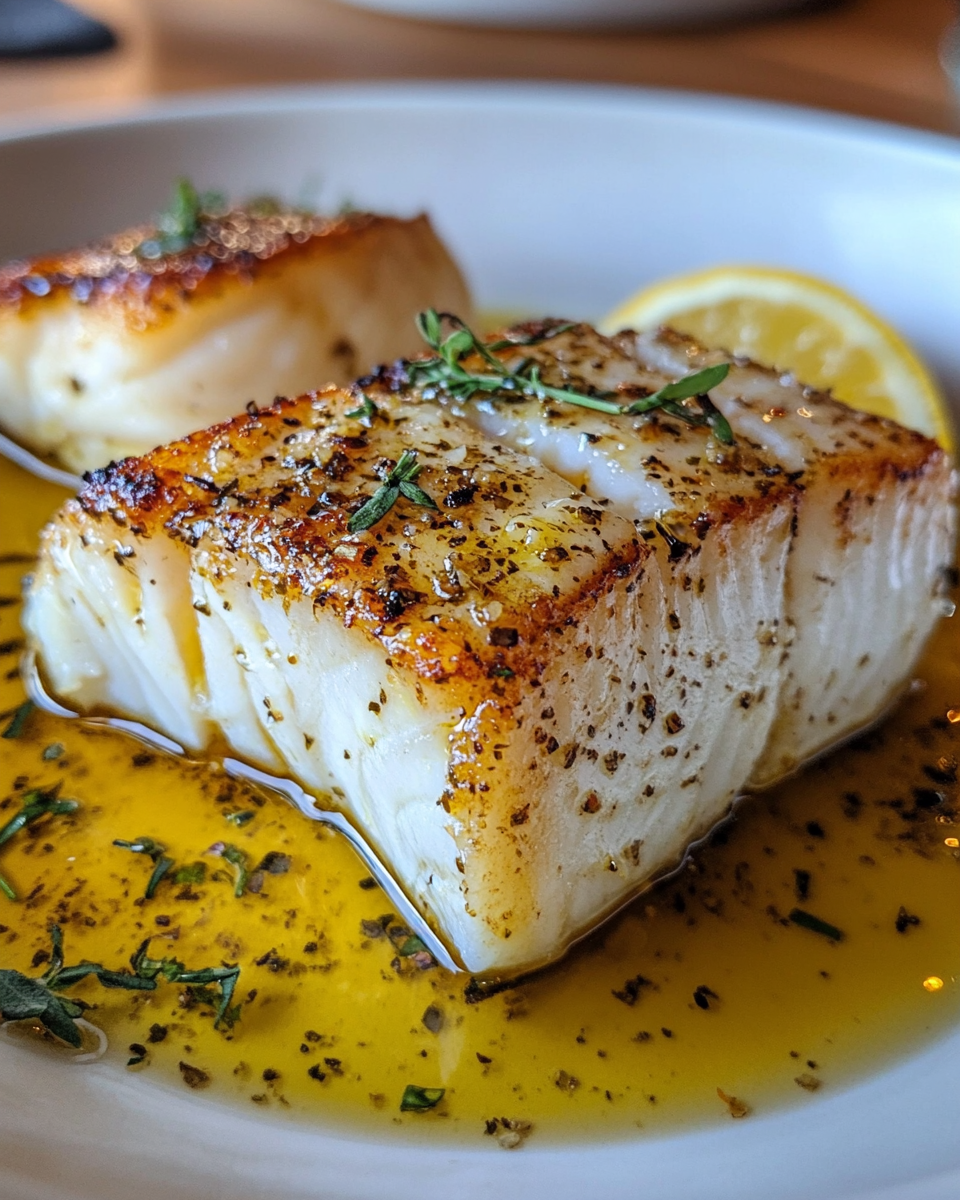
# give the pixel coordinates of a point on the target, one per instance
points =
(801, 324)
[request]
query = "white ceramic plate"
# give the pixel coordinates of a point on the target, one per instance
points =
(559, 200)
(570, 14)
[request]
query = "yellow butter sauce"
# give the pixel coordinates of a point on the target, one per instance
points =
(706, 983)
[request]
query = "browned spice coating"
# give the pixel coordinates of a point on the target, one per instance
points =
(233, 247)
(277, 489)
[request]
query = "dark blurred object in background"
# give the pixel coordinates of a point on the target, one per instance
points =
(49, 29)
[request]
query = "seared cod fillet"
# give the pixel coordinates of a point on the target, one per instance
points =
(534, 696)
(872, 535)
(113, 349)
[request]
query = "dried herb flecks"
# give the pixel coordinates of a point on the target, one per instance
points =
(447, 371)
(35, 804)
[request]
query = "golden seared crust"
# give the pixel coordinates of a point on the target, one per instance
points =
(708, 484)
(473, 678)
(234, 247)
(472, 591)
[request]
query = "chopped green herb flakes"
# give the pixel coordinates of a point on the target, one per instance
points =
(238, 860)
(420, 1099)
(35, 804)
(808, 921)
(157, 855)
(15, 726)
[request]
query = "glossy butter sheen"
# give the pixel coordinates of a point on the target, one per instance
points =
(320, 994)
(530, 698)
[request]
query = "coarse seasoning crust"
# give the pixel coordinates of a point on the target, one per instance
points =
(277, 489)
(229, 249)
(453, 623)
(551, 664)
(112, 349)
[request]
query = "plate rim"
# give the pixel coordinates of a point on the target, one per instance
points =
(91, 116)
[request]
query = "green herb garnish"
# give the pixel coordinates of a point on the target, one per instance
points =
(696, 385)
(180, 222)
(808, 921)
(157, 855)
(448, 372)
(176, 225)
(412, 945)
(173, 971)
(365, 411)
(238, 860)
(35, 804)
(192, 873)
(240, 818)
(399, 481)
(420, 1099)
(23, 998)
(14, 727)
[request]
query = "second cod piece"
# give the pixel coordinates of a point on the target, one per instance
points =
(141, 338)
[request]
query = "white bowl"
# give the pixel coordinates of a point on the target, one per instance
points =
(573, 14)
(556, 199)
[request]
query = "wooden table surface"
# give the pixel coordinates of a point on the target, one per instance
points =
(877, 58)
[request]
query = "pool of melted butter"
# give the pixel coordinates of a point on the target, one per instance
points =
(703, 984)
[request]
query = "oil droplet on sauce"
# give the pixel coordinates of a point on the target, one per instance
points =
(718, 994)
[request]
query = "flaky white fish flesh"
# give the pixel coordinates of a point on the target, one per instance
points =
(111, 350)
(532, 698)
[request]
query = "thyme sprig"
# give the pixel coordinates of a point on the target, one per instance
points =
(24, 998)
(453, 341)
(696, 385)
(447, 371)
(35, 804)
(365, 411)
(157, 855)
(399, 481)
(180, 221)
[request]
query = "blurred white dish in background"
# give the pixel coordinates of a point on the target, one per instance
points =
(567, 14)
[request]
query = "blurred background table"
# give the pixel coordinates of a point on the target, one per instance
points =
(876, 58)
